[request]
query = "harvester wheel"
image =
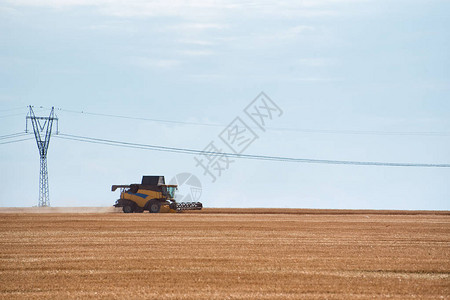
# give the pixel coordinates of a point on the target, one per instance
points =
(154, 206)
(127, 209)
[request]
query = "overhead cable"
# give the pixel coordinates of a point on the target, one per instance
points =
(244, 156)
(13, 135)
(15, 141)
(304, 130)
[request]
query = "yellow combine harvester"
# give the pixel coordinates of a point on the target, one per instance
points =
(152, 195)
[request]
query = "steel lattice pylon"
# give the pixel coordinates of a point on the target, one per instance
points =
(41, 125)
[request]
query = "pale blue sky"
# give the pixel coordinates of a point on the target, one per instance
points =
(339, 65)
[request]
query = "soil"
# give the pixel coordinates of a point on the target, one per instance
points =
(224, 254)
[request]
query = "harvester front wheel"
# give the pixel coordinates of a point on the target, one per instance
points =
(154, 206)
(127, 209)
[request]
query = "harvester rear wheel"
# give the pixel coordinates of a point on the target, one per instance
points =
(154, 206)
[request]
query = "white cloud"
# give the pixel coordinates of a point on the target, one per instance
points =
(271, 36)
(113, 27)
(9, 11)
(317, 62)
(295, 31)
(196, 8)
(6, 99)
(145, 62)
(196, 42)
(16, 61)
(207, 77)
(313, 79)
(198, 26)
(196, 52)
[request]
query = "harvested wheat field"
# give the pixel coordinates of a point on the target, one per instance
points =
(226, 254)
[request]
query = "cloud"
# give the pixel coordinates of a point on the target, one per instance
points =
(293, 32)
(145, 62)
(316, 62)
(7, 99)
(198, 26)
(271, 37)
(207, 77)
(113, 26)
(313, 79)
(196, 8)
(195, 32)
(196, 42)
(16, 61)
(196, 52)
(9, 11)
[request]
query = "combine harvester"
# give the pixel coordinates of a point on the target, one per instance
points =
(152, 195)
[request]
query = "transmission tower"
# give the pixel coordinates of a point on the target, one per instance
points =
(42, 127)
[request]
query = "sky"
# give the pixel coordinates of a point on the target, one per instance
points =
(343, 80)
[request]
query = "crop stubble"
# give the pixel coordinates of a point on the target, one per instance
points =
(226, 255)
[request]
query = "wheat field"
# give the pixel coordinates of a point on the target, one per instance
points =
(225, 254)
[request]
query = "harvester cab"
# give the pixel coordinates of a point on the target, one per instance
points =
(169, 191)
(152, 195)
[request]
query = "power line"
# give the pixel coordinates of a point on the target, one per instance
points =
(11, 115)
(15, 141)
(304, 130)
(141, 119)
(13, 135)
(244, 156)
(366, 132)
(19, 114)
(11, 109)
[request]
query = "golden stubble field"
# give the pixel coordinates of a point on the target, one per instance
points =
(225, 254)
